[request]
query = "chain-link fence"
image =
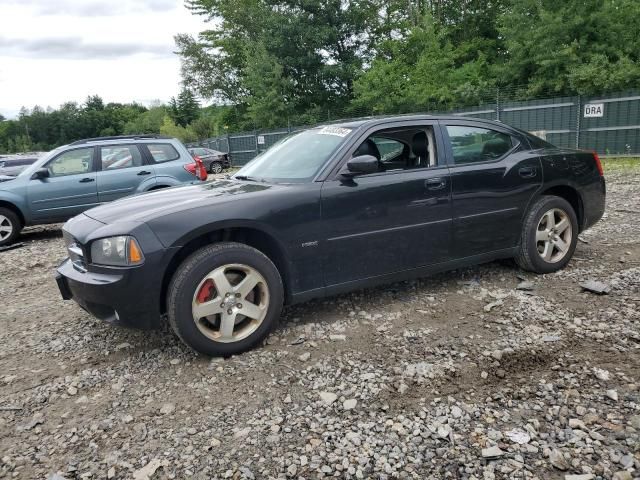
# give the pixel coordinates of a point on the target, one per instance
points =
(608, 124)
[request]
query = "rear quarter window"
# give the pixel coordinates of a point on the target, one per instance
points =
(162, 152)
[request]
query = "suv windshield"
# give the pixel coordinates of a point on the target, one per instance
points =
(296, 158)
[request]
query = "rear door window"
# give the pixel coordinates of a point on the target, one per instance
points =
(120, 156)
(475, 144)
(162, 152)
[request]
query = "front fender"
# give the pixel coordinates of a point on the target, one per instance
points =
(18, 202)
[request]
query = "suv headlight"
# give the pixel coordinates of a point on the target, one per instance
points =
(120, 251)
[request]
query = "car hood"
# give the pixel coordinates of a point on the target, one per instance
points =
(148, 206)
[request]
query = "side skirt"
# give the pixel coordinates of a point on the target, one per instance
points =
(402, 275)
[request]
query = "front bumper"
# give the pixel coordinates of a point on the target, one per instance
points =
(127, 297)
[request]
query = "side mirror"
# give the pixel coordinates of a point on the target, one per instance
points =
(40, 174)
(362, 164)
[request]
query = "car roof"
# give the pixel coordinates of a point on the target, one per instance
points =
(376, 120)
(122, 139)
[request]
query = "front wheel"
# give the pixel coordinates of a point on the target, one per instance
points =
(10, 226)
(224, 299)
(549, 235)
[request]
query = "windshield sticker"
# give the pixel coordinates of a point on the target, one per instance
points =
(339, 131)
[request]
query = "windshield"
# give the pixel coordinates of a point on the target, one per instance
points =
(297, 158)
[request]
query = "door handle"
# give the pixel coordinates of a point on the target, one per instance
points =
(436, 183)
(87, 180)
(143, 172)
(527, 172)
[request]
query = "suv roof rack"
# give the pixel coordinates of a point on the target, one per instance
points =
(120, 137)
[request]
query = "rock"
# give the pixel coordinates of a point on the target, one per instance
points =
(518, 436)
(72, 391)
(337, 338)
(583, 476)
(613, 395)
(551, 338)
(37, 419)
(174, 361)
(111, 473)
(576, 423)
(56, 476)
(242, 433)
(456, 411)
(214, 442)
(287, 399)
(557, 459)
(328, 397)
(349, 404)
(635, 422)
(304, 357)
(492, 452)
(627, 461)
(192, 431)
(127, 419)
(82, 399)
(167, 408)
(601, 374)
(292, 470)
(596, 287)
(484, 375)
(622, 475)
(525, 285)
(146, 472)
(490, 306)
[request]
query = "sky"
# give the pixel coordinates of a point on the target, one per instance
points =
(53, 51)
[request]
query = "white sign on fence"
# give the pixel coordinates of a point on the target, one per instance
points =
(260, 139)
(594, 110)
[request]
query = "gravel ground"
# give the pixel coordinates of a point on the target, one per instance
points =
(482, 373)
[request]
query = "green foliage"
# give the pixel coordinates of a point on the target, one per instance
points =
(185, 109)
(299, 60)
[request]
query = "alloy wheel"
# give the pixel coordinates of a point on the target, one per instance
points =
(216, 168)
(230, 303)
(6, 227)
(554, 235)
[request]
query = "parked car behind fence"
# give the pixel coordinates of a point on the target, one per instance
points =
(214, 161)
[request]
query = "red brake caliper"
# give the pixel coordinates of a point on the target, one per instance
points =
(205, 291)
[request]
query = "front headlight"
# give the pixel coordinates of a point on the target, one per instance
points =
(121, 251)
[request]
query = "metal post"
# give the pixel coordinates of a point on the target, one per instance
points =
(578, 115)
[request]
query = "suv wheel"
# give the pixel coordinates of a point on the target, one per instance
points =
(224, 299)
(216, 167)
(10, 226)
(549, 236)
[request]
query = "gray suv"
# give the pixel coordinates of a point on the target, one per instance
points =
(87, 173)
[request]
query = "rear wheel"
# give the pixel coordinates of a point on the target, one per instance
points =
(216, 167)
(549, 235)
(10, 226)
(224, 299)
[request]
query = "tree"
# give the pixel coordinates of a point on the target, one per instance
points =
(185, 108)
(581, 46)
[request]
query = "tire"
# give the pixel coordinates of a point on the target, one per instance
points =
(549, 235)
(215, 168)
(191, 293)
(10, 226)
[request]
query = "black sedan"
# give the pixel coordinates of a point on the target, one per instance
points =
(214, 161)
(328, 210)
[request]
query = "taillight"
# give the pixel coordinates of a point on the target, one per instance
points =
(197, 168)
(596, 158)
